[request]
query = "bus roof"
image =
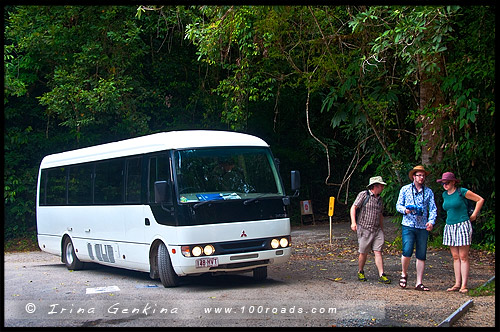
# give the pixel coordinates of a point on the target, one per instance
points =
(151, 143)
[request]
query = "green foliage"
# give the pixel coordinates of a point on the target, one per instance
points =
(484, 235)
(413, 33)
(484, 290)
(232, 41)
(82, 75)
(24, 242)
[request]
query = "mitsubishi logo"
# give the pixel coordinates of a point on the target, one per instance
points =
(243, 234)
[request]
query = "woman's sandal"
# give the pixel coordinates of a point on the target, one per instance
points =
(453, 289)
(422, 288)
(463, 290)
(402, 282)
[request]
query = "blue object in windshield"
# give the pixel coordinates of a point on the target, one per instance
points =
(209, 197)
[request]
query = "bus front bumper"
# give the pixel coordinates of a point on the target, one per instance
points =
(229, 263)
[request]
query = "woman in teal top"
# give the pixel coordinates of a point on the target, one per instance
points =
(458, 229)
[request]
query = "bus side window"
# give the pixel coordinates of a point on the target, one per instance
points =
(56, 186)
(159, 170)
(152, 178)
(133, 186)
(80, 184)
(42, 199)
(108, 187)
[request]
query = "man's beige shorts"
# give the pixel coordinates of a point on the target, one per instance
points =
(367, 238)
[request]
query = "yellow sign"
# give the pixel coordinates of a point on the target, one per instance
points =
(330, 206)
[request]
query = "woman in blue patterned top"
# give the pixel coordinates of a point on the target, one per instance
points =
(458, 229)
(416, 203)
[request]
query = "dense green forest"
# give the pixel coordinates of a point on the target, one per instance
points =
(341, 93)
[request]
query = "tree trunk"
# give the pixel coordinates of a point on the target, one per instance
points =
(431, 98)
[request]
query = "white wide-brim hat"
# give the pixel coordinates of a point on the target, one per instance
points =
(376, 179)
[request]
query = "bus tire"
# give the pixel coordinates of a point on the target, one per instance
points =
(69, 257)
(260, 273)
(167, 274)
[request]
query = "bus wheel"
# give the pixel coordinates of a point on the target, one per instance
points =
(260, 273)
(69, 257)
(168, 276)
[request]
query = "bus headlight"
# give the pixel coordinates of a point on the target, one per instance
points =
(209, 250)
(197, 251)
(284, 242)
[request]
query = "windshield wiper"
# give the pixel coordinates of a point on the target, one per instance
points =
(197, 205)
(255, 199)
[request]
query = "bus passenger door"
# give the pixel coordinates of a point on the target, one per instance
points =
(159, 173)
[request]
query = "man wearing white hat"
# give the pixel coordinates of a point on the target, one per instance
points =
(368, 225)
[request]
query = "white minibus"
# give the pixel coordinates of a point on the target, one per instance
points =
(171, 204)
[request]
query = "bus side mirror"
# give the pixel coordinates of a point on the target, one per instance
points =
(295, 178)
(163, 193)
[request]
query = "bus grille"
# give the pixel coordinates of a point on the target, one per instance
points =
(224, 248)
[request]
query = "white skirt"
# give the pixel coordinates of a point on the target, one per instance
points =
(457, 235)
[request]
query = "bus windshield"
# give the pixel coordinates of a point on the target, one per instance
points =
(226, 173)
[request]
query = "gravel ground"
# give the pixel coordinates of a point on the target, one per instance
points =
(318, 274)
(404, 307)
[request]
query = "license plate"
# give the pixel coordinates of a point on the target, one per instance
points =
(207, 262)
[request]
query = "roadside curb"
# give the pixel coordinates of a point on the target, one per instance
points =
(462, 310)
(457, 314)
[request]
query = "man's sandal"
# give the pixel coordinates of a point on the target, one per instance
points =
(402, 281)
(421, 288)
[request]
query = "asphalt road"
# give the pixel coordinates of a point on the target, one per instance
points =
(40, 291)
(308, 291)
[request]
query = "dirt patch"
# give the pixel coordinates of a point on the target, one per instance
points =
(337, 263)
